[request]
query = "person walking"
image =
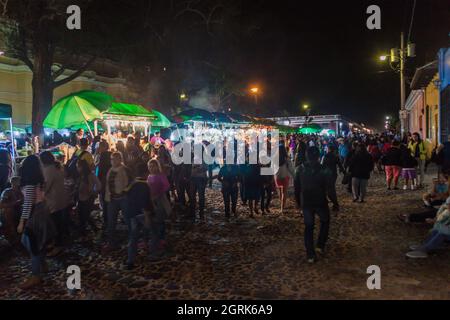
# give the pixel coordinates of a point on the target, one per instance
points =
(392, 162)
(418, 150)
(282, 177)
(311, 185)
(102, 167)
(229, 177)
(332, 162)
(35, 226)
(360, 167)
(197, 185)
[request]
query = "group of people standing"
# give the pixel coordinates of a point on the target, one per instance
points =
(49, 203)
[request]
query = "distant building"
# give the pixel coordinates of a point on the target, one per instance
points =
(340, 124)
(428, 104)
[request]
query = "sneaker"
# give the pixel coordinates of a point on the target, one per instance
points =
(311, 260)
(320, 251)
(389, 188)
(417, 255)
(129, 266)
(396, 188)
(427, 203)
(405, 187)
(31, 282)
(54, 252)
(355, 200)
(415, 247)
(413, 187)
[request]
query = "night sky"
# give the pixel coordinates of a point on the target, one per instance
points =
(321, 53)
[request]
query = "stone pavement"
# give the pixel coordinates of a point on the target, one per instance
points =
(261, 258)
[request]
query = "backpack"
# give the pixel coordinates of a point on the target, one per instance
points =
(72, 165)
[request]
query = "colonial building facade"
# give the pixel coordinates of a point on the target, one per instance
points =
(428, 104)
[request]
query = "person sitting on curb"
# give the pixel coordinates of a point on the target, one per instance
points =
(439, 193)
(439, 234)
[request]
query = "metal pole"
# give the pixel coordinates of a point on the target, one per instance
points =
(402, 84)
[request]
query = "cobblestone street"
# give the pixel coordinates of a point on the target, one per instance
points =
(261, 258)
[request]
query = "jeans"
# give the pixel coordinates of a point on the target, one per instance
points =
(114, 206)
(434, 241)
(61, 220)
(309, 217)
(134, 225)
(332, 191)
(422, 216)
(230, 194)
(421, 171)
(266, 191)
(104, 206)
(198, 185)
(158, 231)
(36, 260)
(84, 210)
(359, 188)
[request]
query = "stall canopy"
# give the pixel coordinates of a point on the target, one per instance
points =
(129, 110)
(77, 109)
(195, 115)
(162, 121)
(5, 111)
(222, 117)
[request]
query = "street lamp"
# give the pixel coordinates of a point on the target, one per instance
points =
(255, 92)
(398, 57)
(305, 107)
(183, 96)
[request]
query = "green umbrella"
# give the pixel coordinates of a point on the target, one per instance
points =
(77, 109)
(161, 121)
(309, 130)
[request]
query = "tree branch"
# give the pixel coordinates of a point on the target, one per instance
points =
(60, 71)
(75, 74)
(23, 49)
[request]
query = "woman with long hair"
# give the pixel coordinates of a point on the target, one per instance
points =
(282, 179)
(35, 225)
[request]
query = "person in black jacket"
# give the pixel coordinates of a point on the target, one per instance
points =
(138, 205)
(392, 161)
(360, 167)
(229, 177)
(311, 184)
(332, 162)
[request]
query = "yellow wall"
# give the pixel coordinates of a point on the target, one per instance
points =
(432, 100)
(15, 88)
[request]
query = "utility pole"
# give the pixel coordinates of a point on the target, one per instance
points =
(397, 61)
(403, 114)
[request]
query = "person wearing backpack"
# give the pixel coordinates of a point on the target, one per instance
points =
(311, 185)
(81, 153)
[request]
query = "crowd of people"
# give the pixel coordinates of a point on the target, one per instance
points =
(50, 200)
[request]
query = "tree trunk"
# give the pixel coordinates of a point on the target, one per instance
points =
(42, 85)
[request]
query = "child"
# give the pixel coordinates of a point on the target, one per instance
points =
(409, 164)
(439, 194)
(159, 185)
(439, 234)
(10, 205)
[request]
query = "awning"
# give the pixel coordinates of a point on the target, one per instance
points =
(5, 111)
(424, 75)
(129, 110)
